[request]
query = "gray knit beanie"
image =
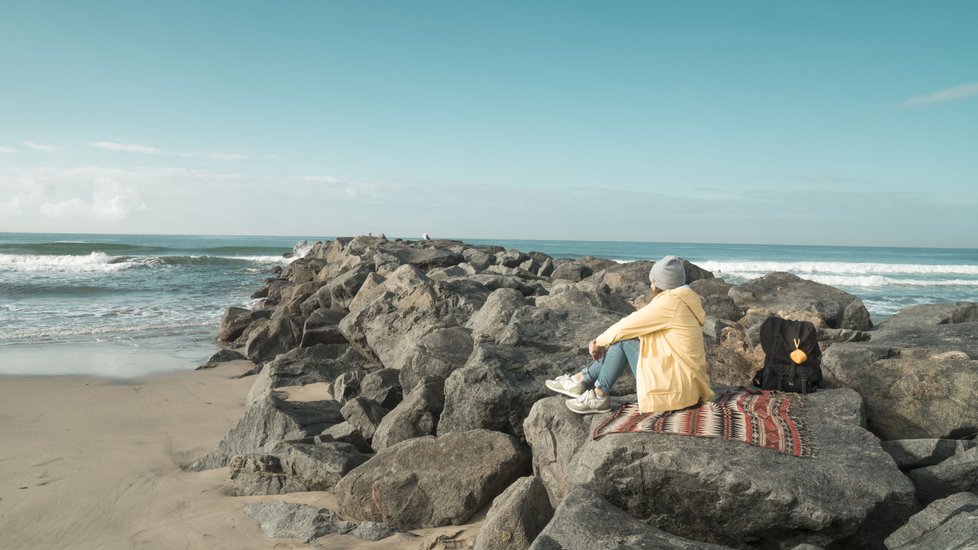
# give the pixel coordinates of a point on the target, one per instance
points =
(668, 273)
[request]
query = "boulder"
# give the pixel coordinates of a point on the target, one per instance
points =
(293, 466)
(910, 454)
(301, 366)
(373, 531)
(629, 280)
(731, 359)
(584, 520)
(722, 307)
(445, 273)
(364, 415)
(943, 341)
(587, 295)
(950, 522)
(725, 492)
(478, 259)
(268, 422)
(551, 330)
(921, 393)
(343, 287)
(571, 271)
(495, 281)
(785, 292)
(288, 520)
(516, 516)
(389, 320)
(432, 482)
(426, 258)
(497, 387)
(495, 313)
(710, 287)
(416, 416)
(346, 386)
(321, 327)
(279, 334)
(233, 323)
(438, 353)
(222, 356)
(954, 475)
(932, 315)
(382, 386)
(344, 432)
(555, 434)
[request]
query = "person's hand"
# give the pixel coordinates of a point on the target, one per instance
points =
(596, 351)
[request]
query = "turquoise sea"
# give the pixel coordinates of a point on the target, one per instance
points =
(123, 305)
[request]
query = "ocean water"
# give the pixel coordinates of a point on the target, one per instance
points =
(125, 305)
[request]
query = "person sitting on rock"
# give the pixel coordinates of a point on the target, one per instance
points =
(662, 343)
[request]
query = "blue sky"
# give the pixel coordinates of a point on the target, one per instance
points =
(852, 123)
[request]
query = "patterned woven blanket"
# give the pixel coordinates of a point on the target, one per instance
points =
(765, 418)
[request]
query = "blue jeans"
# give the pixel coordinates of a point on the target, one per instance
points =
(604, 373)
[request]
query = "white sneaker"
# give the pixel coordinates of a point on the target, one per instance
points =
(589, 403)
(566, 385)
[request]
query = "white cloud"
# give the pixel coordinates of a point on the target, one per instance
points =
(128, 147)
(105, 200)
(68, 198)
(8, 151)
(226, 156)
(956, 93)
(41, 147)
(149, 150)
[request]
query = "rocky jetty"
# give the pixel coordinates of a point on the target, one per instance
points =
(429, 359)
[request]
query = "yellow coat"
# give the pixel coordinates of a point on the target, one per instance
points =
(671, 371)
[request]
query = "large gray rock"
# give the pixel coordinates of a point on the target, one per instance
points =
(373, 531)
(556, 435)
(497, 388)
(584, 294)
(951, 522)
(302, 366)
(954, 475)
(910, 454)
(628, 280)
(495, 313)
(432, 482)
(547, 329)
(516, 516)
(222, 356)
(233, 323)
(917, 380)
(438, 353)
(288, 520)
(293, 466)
(913, 317)
(321, 327)
(382, 386)
(345, 286)
(722, 307)
(364, 415)
(790, 293)
(268, 422)
(492, 280)
(279, 334)
(585, 521)
(387, 321)
(951, 341)
(344, 432)
(416, 416)
(851, 493)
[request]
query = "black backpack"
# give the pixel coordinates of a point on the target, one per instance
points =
(785, 369)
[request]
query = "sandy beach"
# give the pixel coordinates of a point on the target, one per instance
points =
(90, 463)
